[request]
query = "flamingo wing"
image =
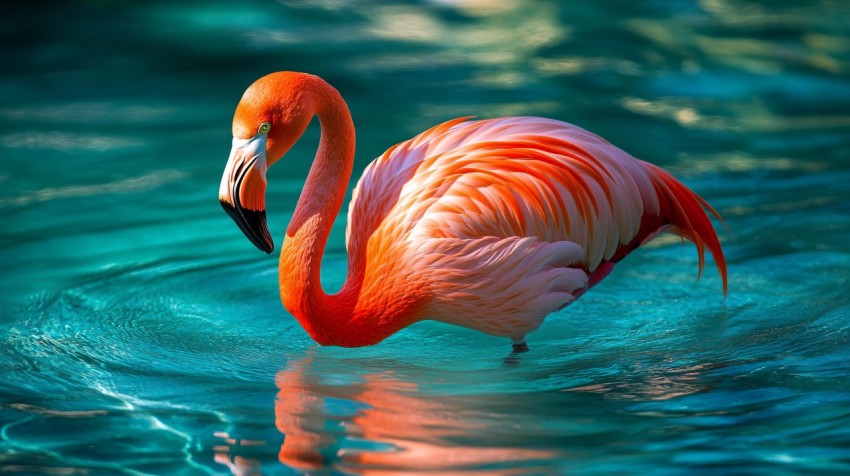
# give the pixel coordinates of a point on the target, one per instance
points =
(506, 220)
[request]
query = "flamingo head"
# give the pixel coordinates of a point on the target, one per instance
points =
(271, 116)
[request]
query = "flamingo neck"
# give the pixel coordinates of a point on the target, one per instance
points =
(329, 319)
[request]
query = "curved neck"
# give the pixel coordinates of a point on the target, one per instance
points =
(324, 316)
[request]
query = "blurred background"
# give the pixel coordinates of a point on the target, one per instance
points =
(142, 333)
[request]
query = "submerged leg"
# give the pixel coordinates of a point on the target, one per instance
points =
(519, 345)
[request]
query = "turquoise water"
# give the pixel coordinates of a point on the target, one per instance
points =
(142, 333)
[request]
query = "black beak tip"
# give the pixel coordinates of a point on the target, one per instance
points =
(253, 225)
(268, 247)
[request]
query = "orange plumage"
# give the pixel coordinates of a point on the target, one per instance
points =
(489, 224)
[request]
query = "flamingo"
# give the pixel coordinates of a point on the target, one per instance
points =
(488, 224)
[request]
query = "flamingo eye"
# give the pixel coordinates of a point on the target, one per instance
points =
(264, 128)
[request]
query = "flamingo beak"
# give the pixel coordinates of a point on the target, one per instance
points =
(243, 190)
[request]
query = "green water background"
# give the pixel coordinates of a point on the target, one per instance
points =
(142, 333)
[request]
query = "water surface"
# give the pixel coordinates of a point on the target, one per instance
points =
(141, 333)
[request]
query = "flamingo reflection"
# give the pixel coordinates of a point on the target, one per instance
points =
(237, 464)
(378, 424)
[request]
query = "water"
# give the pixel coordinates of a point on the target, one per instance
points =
(143, 334)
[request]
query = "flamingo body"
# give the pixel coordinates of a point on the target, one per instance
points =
(488, 224)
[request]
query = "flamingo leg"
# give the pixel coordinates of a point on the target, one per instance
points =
(519, 345)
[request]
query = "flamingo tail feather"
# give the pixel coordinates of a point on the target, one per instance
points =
(686, 212)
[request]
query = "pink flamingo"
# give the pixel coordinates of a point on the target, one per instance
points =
(489, 224)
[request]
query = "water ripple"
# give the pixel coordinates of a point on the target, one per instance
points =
(131, 319)
(134, 184)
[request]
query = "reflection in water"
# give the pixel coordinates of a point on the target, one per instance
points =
(380, 424)
(237, 464)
